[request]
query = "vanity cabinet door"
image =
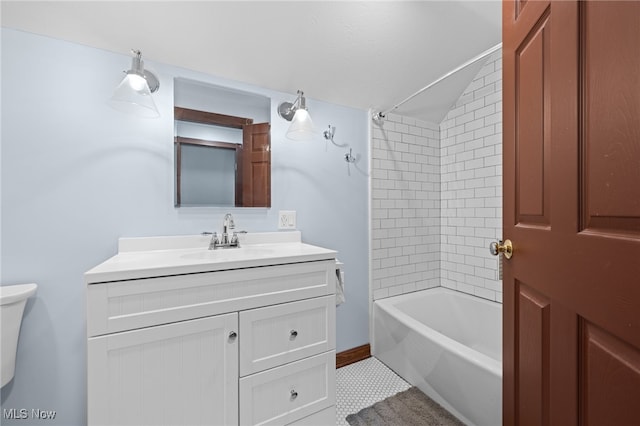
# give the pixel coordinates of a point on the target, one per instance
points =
(176, 374)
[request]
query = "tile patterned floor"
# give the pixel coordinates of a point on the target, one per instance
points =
(362, 384)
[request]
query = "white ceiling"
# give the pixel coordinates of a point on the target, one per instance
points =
(364, 54)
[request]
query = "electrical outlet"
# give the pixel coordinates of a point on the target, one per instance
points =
(287, 219)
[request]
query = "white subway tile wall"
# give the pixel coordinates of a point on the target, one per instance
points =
(471, 185)
(405, 206)
(437, 195)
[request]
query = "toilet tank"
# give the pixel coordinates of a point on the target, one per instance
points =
(13, 299)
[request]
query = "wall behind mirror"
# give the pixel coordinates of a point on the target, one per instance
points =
(213, 163)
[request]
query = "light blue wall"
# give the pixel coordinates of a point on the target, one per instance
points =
(196, 95)
(76, 175)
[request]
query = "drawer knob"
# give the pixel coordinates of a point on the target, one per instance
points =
(293, 334)
(233, 335)
(294, 394)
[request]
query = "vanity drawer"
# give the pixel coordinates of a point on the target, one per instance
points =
(288, 393)
(127, 305)
(278, 334)
(321, 418)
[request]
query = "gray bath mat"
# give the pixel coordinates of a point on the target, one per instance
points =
(408, 408)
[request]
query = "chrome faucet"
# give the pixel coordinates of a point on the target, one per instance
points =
(225, 240)
(227, 224)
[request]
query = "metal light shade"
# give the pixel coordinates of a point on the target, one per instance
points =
(301, 126)
(133, 94)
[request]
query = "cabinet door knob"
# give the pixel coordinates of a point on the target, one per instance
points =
(293, 334)
(294, 394)
(233, 335)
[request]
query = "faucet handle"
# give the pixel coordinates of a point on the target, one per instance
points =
(214, 239)
(213, 235)
(235, 238)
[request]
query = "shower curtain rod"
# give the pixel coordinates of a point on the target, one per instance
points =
(382, 114)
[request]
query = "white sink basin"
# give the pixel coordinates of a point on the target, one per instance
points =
(230, 253)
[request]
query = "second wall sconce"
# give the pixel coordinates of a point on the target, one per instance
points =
(133, 94)
(301, 127)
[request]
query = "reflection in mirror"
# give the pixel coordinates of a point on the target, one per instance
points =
(206, 173)
(221, 159)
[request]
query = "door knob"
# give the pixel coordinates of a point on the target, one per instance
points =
(505, 248)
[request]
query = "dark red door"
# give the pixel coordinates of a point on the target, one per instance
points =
(256, 165)
(572, 210)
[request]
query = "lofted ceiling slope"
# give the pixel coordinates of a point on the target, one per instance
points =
(363, 54)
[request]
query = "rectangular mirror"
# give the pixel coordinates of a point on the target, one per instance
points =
(221, 159)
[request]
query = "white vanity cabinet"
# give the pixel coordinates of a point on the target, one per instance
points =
(242, 346)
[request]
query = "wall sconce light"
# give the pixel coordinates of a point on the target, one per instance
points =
(301, 127)
(133, 94)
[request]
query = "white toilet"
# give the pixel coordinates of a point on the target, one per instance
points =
(13, 298)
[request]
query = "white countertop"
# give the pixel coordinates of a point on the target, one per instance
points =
(162, 256)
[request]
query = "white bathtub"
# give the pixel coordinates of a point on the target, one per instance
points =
(449, 345)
